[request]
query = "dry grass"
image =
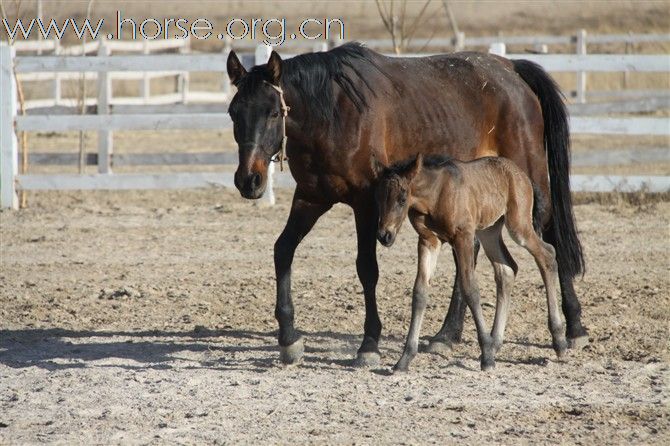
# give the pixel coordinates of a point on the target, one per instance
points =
(640, 201)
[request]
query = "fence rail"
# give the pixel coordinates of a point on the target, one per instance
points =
(183, 93)
(106, 122)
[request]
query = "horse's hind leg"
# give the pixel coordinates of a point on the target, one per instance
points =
(505, 269)
(545, 258)
(429, 248)
(452, 327)
(463, 245)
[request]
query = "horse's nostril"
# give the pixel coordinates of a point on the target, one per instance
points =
(256, 180)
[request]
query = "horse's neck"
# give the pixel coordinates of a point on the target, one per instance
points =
(427, 188)
(295, 121)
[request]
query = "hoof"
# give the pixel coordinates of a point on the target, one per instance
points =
(578, 342)
(367, 359)
(440, 346)
(561, 348)
(400, 369)
(292, 354)
(488, 365)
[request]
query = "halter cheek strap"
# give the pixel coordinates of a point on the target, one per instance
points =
(284, 113)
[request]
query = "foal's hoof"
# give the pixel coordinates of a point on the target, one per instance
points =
(488, 365)
(561, 348)
(292, 354)
(578, 342)
(367, 359)
(438, 346)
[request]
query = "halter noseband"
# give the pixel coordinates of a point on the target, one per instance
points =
(284, 113)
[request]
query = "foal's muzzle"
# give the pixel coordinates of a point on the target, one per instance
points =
(385, 237)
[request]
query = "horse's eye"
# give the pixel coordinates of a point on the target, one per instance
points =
(274, 114)
(402, 200)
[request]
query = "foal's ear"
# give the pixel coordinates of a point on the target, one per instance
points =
(274, 68)
(415, 167)
(236, 70)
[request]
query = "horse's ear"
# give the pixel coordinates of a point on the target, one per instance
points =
(377, 166)
(236, 70)
(274, 68)
(415, 168)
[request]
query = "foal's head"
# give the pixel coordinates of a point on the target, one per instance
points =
(392, 196)
(257, 121)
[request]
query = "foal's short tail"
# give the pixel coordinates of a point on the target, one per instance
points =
(557, 144)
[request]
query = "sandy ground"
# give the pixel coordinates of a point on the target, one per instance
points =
(148, 318)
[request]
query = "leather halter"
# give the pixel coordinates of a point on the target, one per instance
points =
(284, 113)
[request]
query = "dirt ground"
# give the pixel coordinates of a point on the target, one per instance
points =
(148, 318)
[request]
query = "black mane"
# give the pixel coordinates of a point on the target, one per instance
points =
(350, 66)
(429, 162)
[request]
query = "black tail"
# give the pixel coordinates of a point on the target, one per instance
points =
(569, 253)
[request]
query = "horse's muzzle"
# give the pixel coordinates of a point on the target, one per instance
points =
(250, 185)
(385, 237)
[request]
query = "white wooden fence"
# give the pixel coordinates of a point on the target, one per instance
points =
(104, 122)
(182, 94)
(580, 42)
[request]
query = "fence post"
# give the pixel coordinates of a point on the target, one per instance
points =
(629, 50)
(459, 41)
(581, 76)
(541, 48)
(105, 137)
(335, 41)
(183, 78)
(261, 56)
(498, 48)
(9, 155)
(145, 88)
(57, 76)
(320, 46)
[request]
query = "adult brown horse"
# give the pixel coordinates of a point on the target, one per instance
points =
(351, 104)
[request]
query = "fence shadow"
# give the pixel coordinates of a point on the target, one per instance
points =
(249, 350)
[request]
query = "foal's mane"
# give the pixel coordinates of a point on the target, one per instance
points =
(352, 67)
(429, 162)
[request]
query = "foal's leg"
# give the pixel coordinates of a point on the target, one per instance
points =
(302, 218)
(429, 248)
(452, 328)
(368, 273)
(545, 258)
(505, 269)
(463, 246)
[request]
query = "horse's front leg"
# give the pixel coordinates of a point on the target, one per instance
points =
(302, 218)
(368, 273)
(452, 328)
(429, 249)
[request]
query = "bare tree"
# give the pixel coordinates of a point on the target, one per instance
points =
(395, 18)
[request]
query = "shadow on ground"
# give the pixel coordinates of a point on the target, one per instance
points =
(57, 349)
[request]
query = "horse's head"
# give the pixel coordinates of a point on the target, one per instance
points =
(256, 112)
(392, 198)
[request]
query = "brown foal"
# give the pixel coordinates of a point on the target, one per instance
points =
(454, 202)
